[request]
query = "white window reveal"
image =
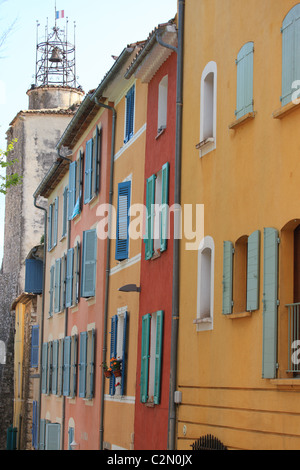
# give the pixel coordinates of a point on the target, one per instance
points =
(162, 104)
(208, 109)
(205, 285)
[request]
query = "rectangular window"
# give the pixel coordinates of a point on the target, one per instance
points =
(44, 367)
(51, 290)
(89, 261)
(129, 114)
(57, 286)
(65, 213)
(122, 241)
(69, 277)
(151, 358)
(75, 187)
(67, 366)
(87, 364)
(35, 346)
(52, 436)
(49, 367)
(88, 172)
(118, 343)
(73, 372)
(60, 367)
(55, 358)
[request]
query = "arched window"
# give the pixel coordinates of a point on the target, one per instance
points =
(208, 109)
(205, 284)
(162, 104)
(290, 53)
(244, 87)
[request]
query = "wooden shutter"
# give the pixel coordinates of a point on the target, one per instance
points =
(122, 240)
(227, 277)
(42, 434)
(82, 364)
(245, 80)
(158, 355)
(124, 353)
(65, 213)
(44, 367)
(89, 261)
(51, 291)
(253, 256)
(55, 225)
(57, 285)
(35, 346)
(74, 366)
(67, 366)
(92, 364)
(72, 189)
(88, 171)
(49, 367)
(50, 221)
(55, 367)
(61, 367)
(113, 349)
(146, 319)
(270, 287)
(150, 201)
(69, 277)
(52, 436)
(290, 53)
(164, 210)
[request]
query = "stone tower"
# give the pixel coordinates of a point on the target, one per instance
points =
(53, 100)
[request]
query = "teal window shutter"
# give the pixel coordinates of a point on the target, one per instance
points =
(82, 364)
(113, 349)
(55, 225)
(52, 436)
(158, 355)
(44, 367)
(67, 366)
(290, 53)
(42, 435)
(129, 121)
(55, 367)
(88, 171)
(50, 222)
(122, 240)
(253, 262)
(89, 262)
(35, 346)
(65, 213)
(69, 277)
(164, 209)
(57, 285)
(51, 291)
(72, 189)
(124, 353)
(150, 208)
(146, 319)
(92, 364)
(245, 80)
(227, 277)
(270, 292)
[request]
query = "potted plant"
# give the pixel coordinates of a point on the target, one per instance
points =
(115, 365)
(107, 370)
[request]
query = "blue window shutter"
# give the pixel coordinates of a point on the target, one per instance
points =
(67, 366)
(245, 80)
(61, 367)
(290, 52)
(146, 319)
(124, 353)
(55, 367)
(34, 276)
(49, 367)
(158, 355)
(122, 241)
(164, 211)
(150, 201)
(89, 262)
(88, 171)
(74, 366)
(113, 350)
(34, 424)
(55, 224)
(50, 222)
(65, 213)
(57, 285)
(71, 437)
(77, 273)
(52, 436)
(82, 364)
(44, 367)
(51, 291)
(253, 262)
(92, 364)
(42, 435)
(69, 277)
(35, 346)
(227, 277)
(270, 291)
(72, 189)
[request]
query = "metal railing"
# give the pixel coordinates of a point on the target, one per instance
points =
(293, 337)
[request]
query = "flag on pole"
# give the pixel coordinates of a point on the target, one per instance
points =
(60, 14)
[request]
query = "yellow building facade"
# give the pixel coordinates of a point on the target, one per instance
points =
(238, 326)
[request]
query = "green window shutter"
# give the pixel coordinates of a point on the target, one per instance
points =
(150, 201)
(65, 213)
(89, 262)
(74, 366)
(227, 277)
(55, 367)
(253, 256)
(122, 240)
(146, 319)
(57, 285)
(55, 225)
(67, 366)
(92, 365)
(42, 435)
(44, 367)
(51, 291)
(164, 211)
(270, 288)
(52, 436)
(50, 222)
(245, 80)
(290, 53)
(88, 171)
(72, 189)
(69, 277)
(158, 355)
(82, 364)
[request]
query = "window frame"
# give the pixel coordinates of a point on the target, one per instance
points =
(205, 322)
(208, 143)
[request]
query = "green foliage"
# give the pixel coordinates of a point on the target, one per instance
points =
(12, 179)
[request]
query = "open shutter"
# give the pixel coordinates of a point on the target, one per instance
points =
(145, 357)
(52, 436)
(82, 364)
(50, 221)
(124, 353)
(42, 434)
(88, 171)
(69, 277)
(245, 80)
(55, 225)
(72, 189)
(35, 346)
(253, 255)
(150, 201)
(44, 367)
(51, 291)
(113, 349)
(130, 98)
(67, 365)
(227, 277)
(164, 209)
(89, 260)
(57, 285)
(158, 355)
(122, 240)
(270, 286)
(65, 213)
(55, 367)
(92, 365)
(290, 52)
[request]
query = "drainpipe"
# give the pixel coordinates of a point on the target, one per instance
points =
(177, 201)
(107, 261)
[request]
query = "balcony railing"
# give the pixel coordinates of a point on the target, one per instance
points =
(293, 337)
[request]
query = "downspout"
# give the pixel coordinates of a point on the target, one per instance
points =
(101, 430)
(176, 246)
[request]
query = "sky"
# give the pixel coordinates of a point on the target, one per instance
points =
(103, 28)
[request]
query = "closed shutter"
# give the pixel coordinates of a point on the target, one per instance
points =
(65, 213)
(55, 225)
(71, 437)
(130, 98)
(245, 80)
(42, 435)
(122, 240)
(34, 423)
(92, 364)
(72, 189)
(55, 367)
(77, 273)
(51, 292)
(82, 364)
(88, 171)
(49, 367)
(145, 357)
(227, 277)
(52, 436)
(270, 288)
(57, 285)
(60, 368)
(74, 366)
(158, 355)
(67, 366)
(44, 367)
(290, 53)
(150, 201)
(164, 210)
(98, 148)
(89, 261)
(50, 222)
(35, 346)
(69, 277)
(253, 256)
(113, 349)
(63, 282)
(124, 353)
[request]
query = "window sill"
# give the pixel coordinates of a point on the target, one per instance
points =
(90, 300)
(206, 146)
(236, 124)
(233, 316)
(160, 132)
(284, 110)
(202, 320)
(286, 384)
